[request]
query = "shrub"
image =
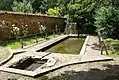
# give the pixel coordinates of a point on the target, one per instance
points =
(24, 6)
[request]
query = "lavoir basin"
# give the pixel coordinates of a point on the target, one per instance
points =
(70, 45)
(46, 57)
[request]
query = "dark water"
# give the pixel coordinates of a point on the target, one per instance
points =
(28, 64)
(69, 46)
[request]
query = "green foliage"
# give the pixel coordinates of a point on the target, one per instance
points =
(81, 8)
(113, 3)
(6, 5)
(39, 6)
(54, 12)
(24, 30)
(107, 21)
(82, 12)
(112, 45)
(42, 29)
(23, 6)
(42, 6)
(106, 12)
(15, 44)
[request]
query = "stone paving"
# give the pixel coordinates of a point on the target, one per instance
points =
(91, 53)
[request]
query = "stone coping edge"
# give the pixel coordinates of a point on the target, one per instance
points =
(82, 52)
(34, 44)
(35, 74)
(10, 57)
(73, 63)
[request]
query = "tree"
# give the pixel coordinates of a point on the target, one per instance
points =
(6, 5)
(39, 6)
(42, 6)
(54, 12)
(107, 19)
(82, 12)
(23, 6)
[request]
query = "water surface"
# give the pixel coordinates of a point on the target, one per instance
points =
(68, 46)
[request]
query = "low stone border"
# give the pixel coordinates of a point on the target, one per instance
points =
(12, 53)
(82, 52)
(40, 42)
(50, 42)
(45, 70)
(26, 47)
(72, 63)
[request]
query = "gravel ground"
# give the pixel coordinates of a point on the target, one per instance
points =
(108, 70)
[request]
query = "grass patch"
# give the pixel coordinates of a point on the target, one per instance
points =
(15, 44)
(112, 46)
(69, 46)
(4, 53)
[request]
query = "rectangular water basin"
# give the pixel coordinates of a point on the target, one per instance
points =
(67, 46)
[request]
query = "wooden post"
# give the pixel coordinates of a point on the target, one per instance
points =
(36, 38)
(102, 44)
(22, 44)
(101, 48)
(105, 49)
(53, 32)
(46, 35)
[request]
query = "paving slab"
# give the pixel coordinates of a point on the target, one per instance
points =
(92, 51)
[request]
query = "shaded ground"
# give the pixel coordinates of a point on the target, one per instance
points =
(88, 71)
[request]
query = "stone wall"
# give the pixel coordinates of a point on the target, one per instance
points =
(31, 20)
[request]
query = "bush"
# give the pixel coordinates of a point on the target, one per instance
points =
(24, 6)
(54, 12)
